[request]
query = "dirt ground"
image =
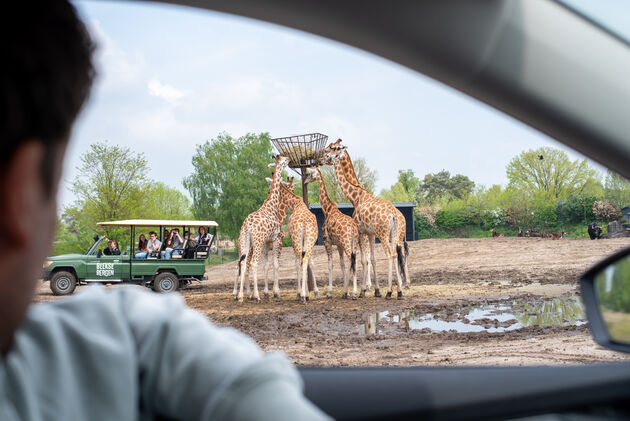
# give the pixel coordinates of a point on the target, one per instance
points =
(516, 281)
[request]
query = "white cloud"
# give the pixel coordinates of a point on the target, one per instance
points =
(166, 92)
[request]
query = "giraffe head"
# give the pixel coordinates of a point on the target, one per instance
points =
(289, 184)
(281, 162)
(311, 174)
(332, 153)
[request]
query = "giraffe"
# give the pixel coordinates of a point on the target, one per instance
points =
(338, 230)
(375, 218)
(349, 172)
(303, 232)
(275, 244)
(260, 227)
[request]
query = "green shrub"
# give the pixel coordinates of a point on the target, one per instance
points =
(449, 219)
(423, 227)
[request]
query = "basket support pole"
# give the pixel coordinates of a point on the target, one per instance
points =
(304, 188)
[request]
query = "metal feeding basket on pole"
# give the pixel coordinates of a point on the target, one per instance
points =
(303, 151)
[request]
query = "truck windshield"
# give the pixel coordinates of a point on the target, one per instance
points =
(94, 246)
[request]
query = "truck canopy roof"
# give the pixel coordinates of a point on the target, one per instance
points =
(158, 222)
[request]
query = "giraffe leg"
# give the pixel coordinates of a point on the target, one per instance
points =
(242, 264)
(365, 264)
(258, 249)
(342, 263)
(328, 248)
(303, 291)
(276, 264)
(315, 290)
(266, 271)
(377, 289)
(405, 257)
(398, 277)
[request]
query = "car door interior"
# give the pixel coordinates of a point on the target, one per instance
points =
(543, 64)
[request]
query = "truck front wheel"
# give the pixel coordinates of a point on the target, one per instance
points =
(165, 282)
(63, 283)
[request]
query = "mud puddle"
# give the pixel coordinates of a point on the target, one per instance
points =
(497, 317)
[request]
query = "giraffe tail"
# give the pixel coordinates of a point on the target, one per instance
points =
(401, 261)
(353, 253)
(244, 246)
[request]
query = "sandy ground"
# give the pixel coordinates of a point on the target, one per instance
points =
(450, 278)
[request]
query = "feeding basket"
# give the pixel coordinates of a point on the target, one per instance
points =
(302, 150)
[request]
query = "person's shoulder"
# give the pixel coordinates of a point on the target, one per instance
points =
(101, 310)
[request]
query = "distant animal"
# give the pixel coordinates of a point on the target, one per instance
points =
(532, 233)
(594, 231)
(495, 234)
(557, 235)
(520, 233)
(545, 235)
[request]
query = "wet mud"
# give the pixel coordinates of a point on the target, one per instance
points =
(507, 301)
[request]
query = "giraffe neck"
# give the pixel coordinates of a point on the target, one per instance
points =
(354, 192)
(273, 200)
(348, 168)
(284, 206)
(294, 202)
(328, 206)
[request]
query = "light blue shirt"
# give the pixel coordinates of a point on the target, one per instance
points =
(129, 354)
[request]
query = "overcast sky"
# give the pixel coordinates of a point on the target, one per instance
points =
(172, 78)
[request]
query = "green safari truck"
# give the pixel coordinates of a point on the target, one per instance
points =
(187, 263)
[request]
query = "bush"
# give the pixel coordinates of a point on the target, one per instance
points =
(423, 227)
(450, 219)
(491, 218)
(575, 209)
(545, 217)
(606, 211)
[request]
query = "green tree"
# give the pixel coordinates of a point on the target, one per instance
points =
(549, 171)
(228, 179)
(617, 189)
(165, 202)
(111, 184)
(367, 177)
(436, 186)
(397, 193)
(411, 183)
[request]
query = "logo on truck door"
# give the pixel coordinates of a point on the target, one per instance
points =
(104, 269)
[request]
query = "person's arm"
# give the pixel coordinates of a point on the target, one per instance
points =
(190, 369)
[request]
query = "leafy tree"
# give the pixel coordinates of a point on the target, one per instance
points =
(576, 209)
(549, 171)
(438, 185)
(411, 183)
(406, 189)
(228, 179)
(397, 193)
(164, 202)
(545, 217)
(110, 181)
(367, 177)
(617, 189)
(111, 184)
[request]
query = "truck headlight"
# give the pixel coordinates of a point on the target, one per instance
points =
(47, 263)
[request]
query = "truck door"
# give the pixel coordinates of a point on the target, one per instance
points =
(108, 268)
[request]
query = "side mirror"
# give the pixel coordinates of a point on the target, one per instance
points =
(606, 295)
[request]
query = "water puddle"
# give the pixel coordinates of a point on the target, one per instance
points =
(492, 318)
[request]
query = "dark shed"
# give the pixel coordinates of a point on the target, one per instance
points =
(405, 207)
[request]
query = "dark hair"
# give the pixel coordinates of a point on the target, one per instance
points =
(46, 78)
(152, 233)
(141, 243)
